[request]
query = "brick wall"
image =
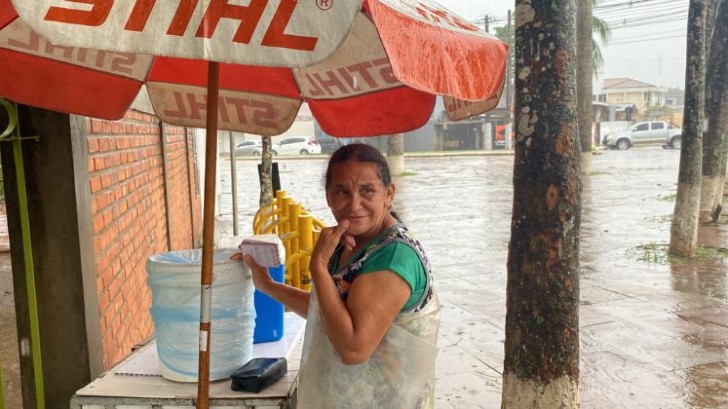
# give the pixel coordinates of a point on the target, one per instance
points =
(129, 205)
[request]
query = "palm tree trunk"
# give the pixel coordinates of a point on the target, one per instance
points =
(684, 229)
(395, 154)
(541, 366)
(584, 74)
(266, 173)
(715, 144)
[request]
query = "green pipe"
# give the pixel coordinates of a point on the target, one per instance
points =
(27, 254)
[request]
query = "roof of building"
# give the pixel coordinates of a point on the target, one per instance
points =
(625, 83)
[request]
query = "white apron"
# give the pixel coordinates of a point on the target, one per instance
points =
(399, 375)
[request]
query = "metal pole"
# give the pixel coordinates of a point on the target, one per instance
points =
(190, 178)
(165, 175)
(234, 183)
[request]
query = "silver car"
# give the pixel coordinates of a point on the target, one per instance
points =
(296, 145)
(646, 133)
(248, 148)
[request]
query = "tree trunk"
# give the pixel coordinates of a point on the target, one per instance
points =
(584, 74)
(684, 229)
(395, 154)
(266, 173)
(710, 11)
(715, 145)
(541, 367)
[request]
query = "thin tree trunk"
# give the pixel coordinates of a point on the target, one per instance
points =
(395, 154)
(584, 74)
(541, 367)
(266, 173)
(684, 229)
(715, 145)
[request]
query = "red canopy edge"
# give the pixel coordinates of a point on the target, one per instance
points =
(397, 110)
(455, 62)
(57, 86)
(270, 80)
(7, 13)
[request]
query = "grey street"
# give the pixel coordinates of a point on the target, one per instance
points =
(653, 335)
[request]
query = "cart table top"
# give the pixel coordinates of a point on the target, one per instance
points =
(137, 380)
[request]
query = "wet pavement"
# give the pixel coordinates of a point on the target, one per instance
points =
(9, 361)
(653, 335)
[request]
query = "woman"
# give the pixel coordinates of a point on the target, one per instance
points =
(372, 317)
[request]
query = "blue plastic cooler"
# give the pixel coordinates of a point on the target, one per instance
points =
(269, 312)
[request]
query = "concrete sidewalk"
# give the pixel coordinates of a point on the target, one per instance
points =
(653, 334)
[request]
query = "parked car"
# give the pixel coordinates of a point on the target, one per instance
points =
(296, 145)
(646, 133)
(330, 144)
(248, 148)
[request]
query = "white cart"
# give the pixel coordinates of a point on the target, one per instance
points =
(136, 382)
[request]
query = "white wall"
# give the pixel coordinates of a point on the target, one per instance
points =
(607, 127)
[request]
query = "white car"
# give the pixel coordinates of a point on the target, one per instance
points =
(248, 148)
(296, 145)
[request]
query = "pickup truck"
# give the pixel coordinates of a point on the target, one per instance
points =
(646, 133)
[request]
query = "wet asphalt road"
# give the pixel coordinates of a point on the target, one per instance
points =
(653, 335)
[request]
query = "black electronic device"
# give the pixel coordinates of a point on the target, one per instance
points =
(258, 374)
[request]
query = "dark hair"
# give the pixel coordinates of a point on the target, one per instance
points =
(360, 152)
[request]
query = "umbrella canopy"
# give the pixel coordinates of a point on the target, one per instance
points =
(364, 69)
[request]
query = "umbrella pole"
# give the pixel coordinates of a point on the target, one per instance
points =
(208, 230)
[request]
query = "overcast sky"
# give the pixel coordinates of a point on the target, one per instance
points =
(648, 36)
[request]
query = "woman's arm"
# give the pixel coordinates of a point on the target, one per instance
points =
(357, 326)
(293, 298)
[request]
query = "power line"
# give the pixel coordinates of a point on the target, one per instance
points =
(637, 7)
(647, 20)
(629, 14)
(643, 39)
(619, 14)
(632, 3)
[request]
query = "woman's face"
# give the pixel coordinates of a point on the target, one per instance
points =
(357, 194)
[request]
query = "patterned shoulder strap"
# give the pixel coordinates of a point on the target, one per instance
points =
(408, 238)
(398, 233)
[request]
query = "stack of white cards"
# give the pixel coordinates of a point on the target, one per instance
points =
(266, 249)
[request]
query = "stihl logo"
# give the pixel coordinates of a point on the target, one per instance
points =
(96, 13)
(438, 17)
(189, 106)
(192, 106)
(372, 75)
(19, 37)
(430, 13)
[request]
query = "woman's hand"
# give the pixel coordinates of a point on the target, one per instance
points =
(293, 298)
(261, 277)
(328, 239)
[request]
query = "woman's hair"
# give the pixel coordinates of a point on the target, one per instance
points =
(360, 152)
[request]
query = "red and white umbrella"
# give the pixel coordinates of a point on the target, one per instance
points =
(365, 68)
(370, 69)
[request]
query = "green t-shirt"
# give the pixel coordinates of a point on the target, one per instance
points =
(403, 261)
